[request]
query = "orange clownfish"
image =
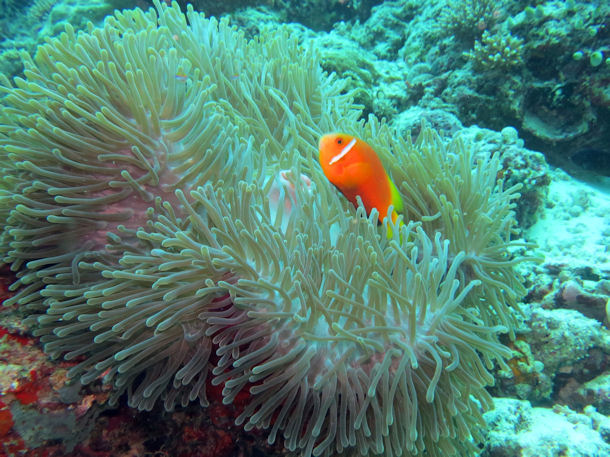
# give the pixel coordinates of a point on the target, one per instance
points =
(355, 169)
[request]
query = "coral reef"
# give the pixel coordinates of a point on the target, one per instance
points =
(554, 92)
(29, 23)
(466, 20)
(571, 347)
(517, 428)
(562, 350)
(541, 67)
(496, 52)
(138, 160)
(38, 404)
(321, 15)
(314, 14)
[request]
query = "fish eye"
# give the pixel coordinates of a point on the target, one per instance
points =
(339, 140)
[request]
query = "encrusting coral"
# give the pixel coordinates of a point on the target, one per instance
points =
(138, 161)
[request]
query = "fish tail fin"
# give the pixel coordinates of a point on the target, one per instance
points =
(396, 198)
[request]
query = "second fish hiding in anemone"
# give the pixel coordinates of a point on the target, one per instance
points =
(354, 167)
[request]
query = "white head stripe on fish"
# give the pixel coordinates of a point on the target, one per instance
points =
(344, 151)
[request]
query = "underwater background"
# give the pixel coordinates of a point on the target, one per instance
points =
(520, 90)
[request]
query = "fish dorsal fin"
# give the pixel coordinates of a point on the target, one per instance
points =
(348, 147)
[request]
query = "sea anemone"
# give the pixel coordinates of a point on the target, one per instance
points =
(138, 160)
